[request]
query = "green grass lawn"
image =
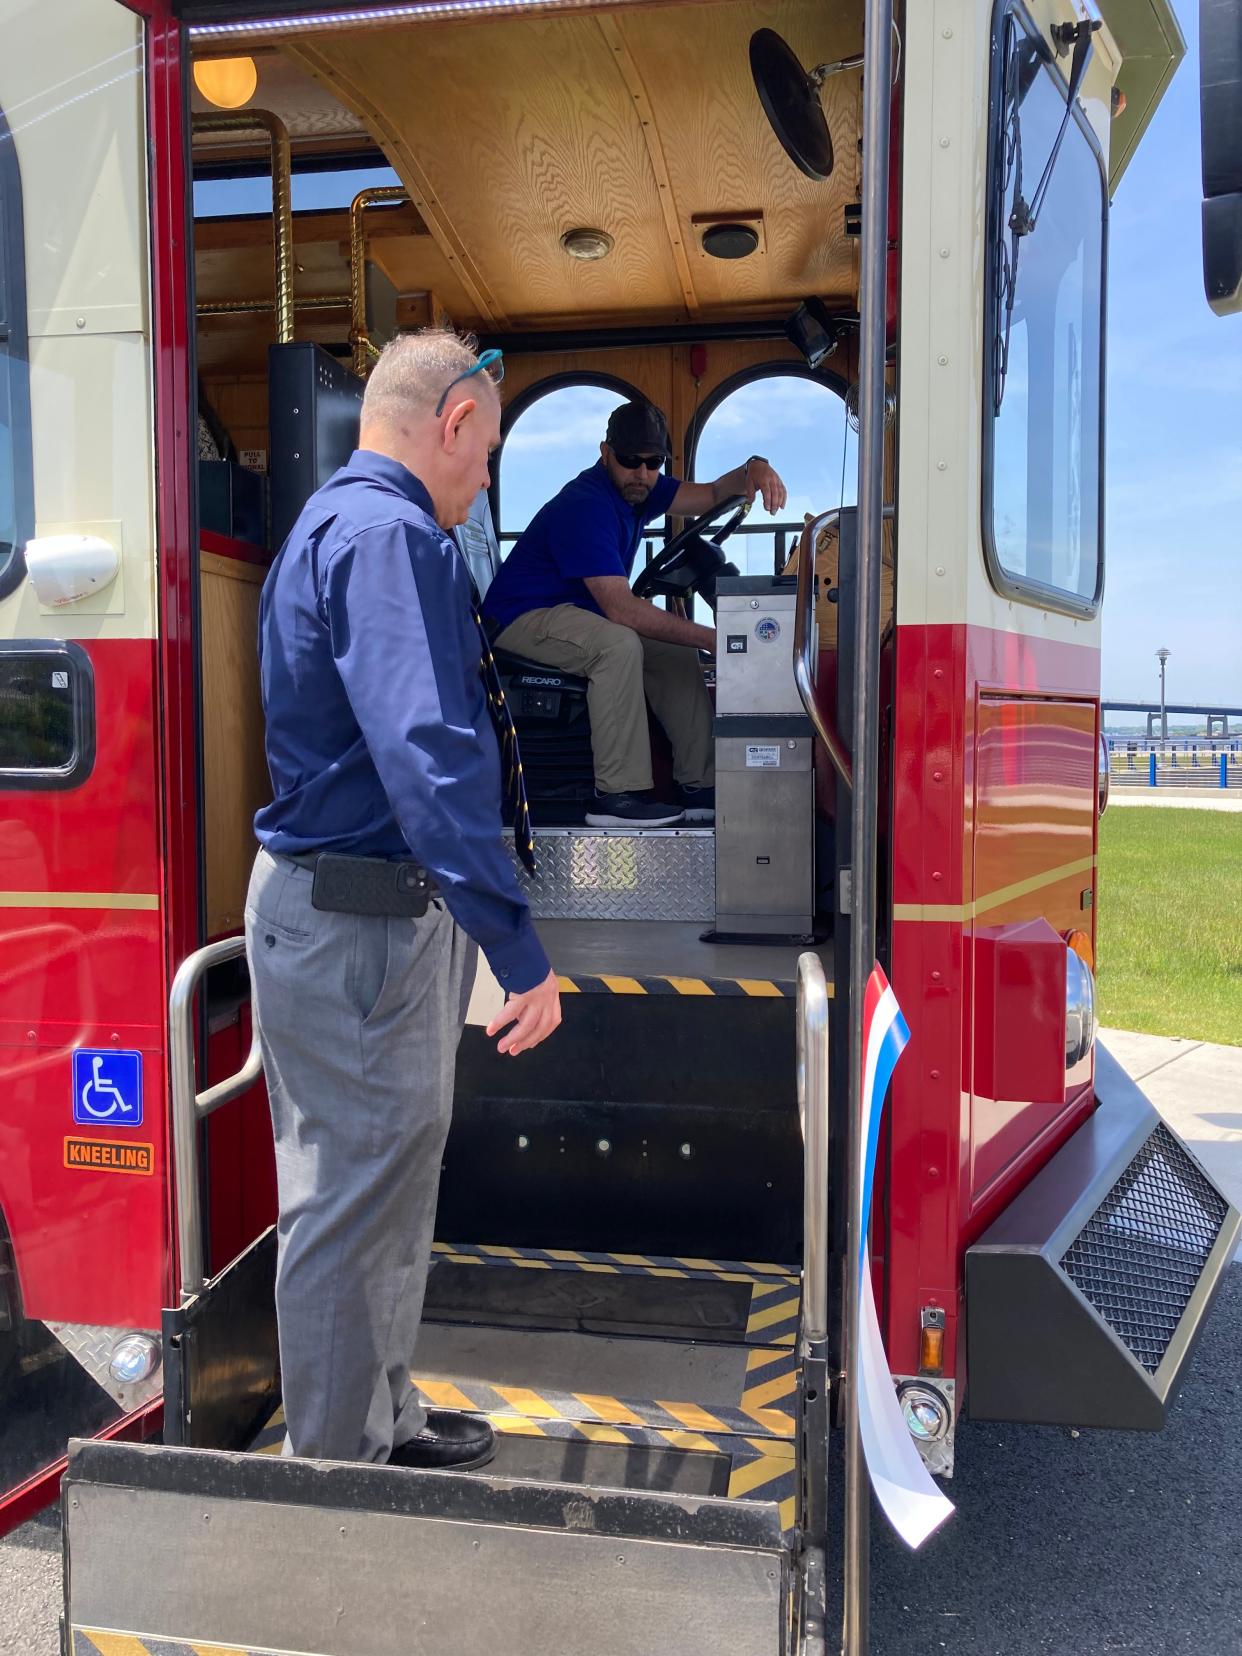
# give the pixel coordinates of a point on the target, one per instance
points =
(1170, 922)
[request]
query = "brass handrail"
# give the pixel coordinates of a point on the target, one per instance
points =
(262, 120)
(359, 339)
(256, 307)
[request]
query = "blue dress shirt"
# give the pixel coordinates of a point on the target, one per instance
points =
(379, 740)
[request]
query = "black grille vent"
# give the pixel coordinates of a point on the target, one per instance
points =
(1139, 1256)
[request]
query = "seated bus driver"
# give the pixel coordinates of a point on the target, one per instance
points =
(562, 597)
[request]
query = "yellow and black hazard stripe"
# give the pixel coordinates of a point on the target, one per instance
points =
(774, 1293)
(761, 1468)
(765, 1407)
(620, 1264)
(612, 983)
(97, 1641)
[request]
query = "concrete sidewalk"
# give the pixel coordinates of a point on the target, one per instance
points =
(1197, 1088)
(1183, 799)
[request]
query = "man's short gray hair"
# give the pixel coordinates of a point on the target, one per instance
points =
(412, 371)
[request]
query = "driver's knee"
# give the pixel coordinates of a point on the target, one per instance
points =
(618, 652)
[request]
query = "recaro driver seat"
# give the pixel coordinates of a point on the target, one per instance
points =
(549, 707)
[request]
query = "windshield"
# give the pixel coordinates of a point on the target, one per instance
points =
(1043, 427)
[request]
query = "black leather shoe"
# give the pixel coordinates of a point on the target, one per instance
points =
(447, 1440)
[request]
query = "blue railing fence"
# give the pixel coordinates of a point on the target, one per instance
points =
(1184, 762)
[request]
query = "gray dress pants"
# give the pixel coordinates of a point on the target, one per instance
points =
(359, 1017)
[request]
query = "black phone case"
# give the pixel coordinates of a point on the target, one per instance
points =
(368, 885)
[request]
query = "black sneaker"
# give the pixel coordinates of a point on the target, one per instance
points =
(630, 810)
(700, 803)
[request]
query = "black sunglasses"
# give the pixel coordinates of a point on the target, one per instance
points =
(632, 462)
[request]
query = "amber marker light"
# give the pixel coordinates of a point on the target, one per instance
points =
(1080, 943)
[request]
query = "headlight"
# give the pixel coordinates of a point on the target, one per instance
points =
(925, 1411)
(134, 1358)
(1079, 1008)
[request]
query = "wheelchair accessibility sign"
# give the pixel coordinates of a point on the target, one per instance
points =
(107, 1088)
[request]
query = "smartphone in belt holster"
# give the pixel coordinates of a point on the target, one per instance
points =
(370, 885)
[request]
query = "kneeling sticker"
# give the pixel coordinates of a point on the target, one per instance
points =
(98, 1155)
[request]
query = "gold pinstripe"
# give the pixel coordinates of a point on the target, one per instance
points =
(146, 900)
(931, 912)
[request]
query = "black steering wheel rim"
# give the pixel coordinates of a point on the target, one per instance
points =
(695, 529)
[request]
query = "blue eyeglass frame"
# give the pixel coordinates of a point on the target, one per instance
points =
(490, 360)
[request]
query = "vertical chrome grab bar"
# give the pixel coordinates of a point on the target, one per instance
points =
(803, 646)
(190, 1106)
(813, 1109)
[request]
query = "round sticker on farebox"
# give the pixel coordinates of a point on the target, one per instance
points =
(768, 630)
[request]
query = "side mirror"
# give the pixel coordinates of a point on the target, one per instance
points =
(1220, 109)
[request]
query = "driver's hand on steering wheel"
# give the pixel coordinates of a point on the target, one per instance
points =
(762, 479)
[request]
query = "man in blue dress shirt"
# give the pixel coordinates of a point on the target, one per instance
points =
(381, 750)
(563, 597)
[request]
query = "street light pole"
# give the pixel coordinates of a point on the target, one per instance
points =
(1162, 656)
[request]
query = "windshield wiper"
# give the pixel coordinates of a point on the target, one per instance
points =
(1023, 219)
(1019, 70)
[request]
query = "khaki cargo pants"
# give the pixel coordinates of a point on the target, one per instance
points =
(625, 671)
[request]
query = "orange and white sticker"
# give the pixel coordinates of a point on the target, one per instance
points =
(97, 1155)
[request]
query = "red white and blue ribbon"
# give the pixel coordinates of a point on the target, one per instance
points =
(912, 1501)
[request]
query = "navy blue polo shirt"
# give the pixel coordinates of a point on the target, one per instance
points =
(379, 741)
(587, 529)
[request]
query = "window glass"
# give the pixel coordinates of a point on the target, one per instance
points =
(311, 191)
(1043, 431)
(799, 425)
(46, 715)
(14, 403)
(548, 444)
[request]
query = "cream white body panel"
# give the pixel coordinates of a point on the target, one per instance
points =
(942, 576)
(71, 86)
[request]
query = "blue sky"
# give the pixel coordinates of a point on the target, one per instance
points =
(1174, 501)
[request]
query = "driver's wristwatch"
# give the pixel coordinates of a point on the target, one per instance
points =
(762, 459)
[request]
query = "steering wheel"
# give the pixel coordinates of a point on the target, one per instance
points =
(692, 561)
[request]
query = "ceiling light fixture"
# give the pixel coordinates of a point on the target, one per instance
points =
(229, 83)
(587, 244)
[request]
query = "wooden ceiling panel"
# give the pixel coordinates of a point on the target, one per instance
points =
(507, 134)
(724, 158)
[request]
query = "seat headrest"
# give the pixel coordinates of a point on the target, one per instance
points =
(476, 540)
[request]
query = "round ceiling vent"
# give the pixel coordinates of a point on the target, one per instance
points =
(587, 244)
(730, 241)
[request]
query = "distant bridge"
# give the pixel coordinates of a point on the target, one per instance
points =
(1217, 718)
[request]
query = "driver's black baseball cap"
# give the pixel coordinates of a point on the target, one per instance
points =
(638, 428)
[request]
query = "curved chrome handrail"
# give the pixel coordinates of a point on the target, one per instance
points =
(813, 1109)
(189, 1106)
(803, 653)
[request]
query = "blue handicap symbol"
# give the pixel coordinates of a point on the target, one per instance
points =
(107, 1088)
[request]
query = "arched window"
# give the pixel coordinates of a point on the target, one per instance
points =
(551, 433)
(797, 420)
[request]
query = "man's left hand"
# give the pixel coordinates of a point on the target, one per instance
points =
(762, 479)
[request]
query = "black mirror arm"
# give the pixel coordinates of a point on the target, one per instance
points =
(1023, 218)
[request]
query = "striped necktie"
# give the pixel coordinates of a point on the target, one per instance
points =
(510, 758)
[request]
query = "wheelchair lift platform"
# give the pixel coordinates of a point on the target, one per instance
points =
(666, 957)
